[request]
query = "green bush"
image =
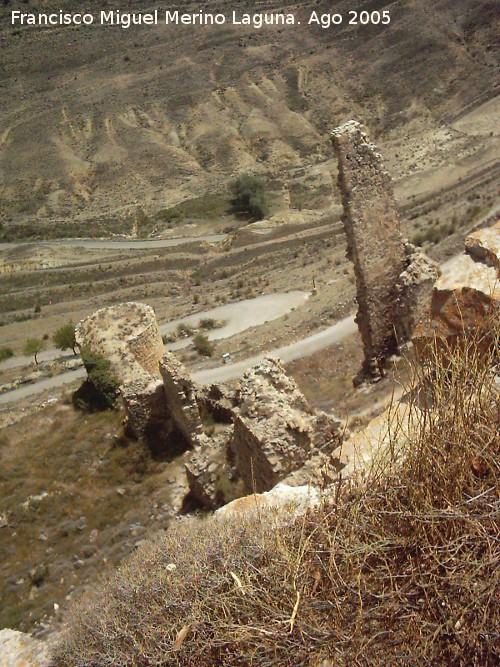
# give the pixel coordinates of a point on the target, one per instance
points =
(5, 353)
(101, 377)
(249, 196)
(209, 323)
(203, 346)
(64, 338)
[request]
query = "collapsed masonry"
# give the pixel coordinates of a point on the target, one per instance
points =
(157, 400)
(275, 429)
(393, 279)
(273, 432)
(242, 441)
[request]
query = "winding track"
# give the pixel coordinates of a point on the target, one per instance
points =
(303, 348)
(287, 353)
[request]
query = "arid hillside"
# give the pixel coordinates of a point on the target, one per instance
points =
(95, 121)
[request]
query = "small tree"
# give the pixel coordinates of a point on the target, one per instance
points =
(249, 196)
(33, 346)
(64, 338)
(203, 346)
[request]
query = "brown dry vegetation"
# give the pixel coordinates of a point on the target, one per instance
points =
(75, 496)
(398, 567)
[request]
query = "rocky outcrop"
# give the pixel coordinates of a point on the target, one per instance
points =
(466, 298)
(374, 242)
(18, 649)
(484, 246)
(275, 429)
(295, 499)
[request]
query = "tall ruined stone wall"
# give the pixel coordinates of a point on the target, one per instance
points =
(374, 241)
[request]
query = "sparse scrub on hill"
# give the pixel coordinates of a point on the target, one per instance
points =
(184, 330)
(397, 567)
(209, 323)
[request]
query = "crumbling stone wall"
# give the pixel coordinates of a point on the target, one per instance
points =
(180, 398)
(414, 291)
(147, 414)
(275, 429)
(127, 335)
(147, 346)
(374, 241)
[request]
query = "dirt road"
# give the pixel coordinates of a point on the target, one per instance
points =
(302, 348)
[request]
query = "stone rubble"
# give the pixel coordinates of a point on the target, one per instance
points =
(241, 442)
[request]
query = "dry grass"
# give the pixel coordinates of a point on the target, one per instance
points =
(399, 567)
(59, 474)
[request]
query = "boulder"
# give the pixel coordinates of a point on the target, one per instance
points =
(465, 302)
(295, 499)
(484, 246)
(18, 649)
